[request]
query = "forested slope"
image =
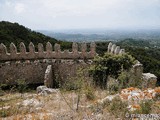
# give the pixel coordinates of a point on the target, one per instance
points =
(13, 32)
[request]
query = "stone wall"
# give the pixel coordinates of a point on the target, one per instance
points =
(32, 66)
(149, 80)
(35, 72)
(31, 72)
(112, 48)
(137, 70)
(49, 66)
(48, 54)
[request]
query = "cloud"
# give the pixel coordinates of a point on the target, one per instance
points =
(19, 8)
(49, 14)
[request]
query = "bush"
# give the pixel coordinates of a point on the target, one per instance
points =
(112, 85)
(111, 65)
(22, 85)
(117, 107)
(146, 107)
(89, 93)
(72, 85)
(127, 79)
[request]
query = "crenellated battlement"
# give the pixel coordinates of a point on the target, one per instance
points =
(43, 65)
(48, 54)
(112, 48)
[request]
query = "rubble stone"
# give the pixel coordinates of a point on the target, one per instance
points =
(43, 90)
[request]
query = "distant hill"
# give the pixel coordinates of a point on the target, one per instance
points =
(139, 43)
(13, 32)
(88, 35)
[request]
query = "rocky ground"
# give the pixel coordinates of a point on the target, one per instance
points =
(49, 104)
(54, 104)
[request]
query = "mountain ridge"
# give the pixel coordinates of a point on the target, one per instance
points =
(16, 33)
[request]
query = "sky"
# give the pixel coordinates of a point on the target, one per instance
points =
(82, 14)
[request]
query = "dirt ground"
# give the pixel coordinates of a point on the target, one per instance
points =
(60, 105)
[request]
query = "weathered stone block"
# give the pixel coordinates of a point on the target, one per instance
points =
(113, 48)
(149, 80)
(48, 78)
(109, 47)
(13, 51)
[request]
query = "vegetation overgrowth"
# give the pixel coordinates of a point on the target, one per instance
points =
(147, 52)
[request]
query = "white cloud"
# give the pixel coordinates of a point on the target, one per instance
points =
(49, 14)
(8, 3)
(19, 8)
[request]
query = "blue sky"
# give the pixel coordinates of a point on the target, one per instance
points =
(81, 14)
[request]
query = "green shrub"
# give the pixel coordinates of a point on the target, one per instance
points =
(72, 85)
(89, 92)
(112, 85)
(111, 65)
(127, 79)
(117, 107)
(146, 107)
(3, 113)
(22, 85)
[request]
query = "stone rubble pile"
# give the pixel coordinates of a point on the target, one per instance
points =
(135, 95)
(131, 95)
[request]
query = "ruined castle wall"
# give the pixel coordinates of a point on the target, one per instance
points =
(113, 49)
(30, 72)
(12, 54)
(31, 66)
(69, 68)
(33, 72)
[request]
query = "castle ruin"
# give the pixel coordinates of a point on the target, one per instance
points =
(42, 66)
(36, 67)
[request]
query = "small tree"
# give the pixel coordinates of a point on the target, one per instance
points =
(110, 65)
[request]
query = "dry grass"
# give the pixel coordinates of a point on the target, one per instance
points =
(63, 106)
(59, 106)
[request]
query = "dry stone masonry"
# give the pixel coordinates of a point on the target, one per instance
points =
(48, 54)
(149, 80)
(41, 67)
(48, 78)
(36, 67)
(112, 48)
